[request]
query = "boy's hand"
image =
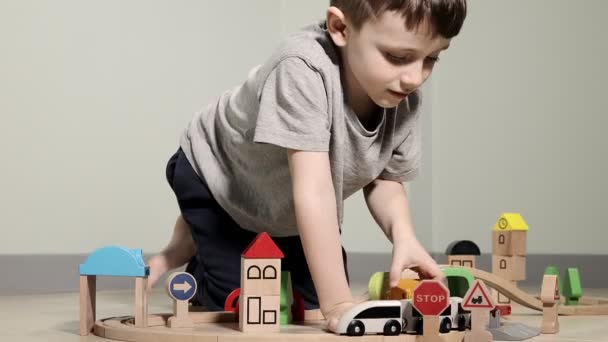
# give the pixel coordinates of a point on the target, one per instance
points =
(409, 253)
(333, 316)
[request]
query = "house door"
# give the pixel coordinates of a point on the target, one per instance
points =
(254, 310)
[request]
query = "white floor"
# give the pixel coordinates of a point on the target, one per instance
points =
(55, 317)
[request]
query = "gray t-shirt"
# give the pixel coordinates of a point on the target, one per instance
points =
(295, 100)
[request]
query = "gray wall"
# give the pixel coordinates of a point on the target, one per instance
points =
(94, 95)
(518, 125)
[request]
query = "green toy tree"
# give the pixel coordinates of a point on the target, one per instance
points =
(286, 298)
(572, 286)
(553, 270)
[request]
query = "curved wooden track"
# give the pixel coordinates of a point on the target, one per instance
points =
(122, 329)
(589, 306)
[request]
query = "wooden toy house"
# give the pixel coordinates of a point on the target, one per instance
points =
(509, 245)
(260, 286)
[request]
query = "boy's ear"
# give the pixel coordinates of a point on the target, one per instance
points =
(336, 26)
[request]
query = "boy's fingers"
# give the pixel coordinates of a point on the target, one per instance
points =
(395, 276)
(332, 324)
(433, 270)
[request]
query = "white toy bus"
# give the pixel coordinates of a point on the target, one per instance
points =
(372, 317)
(392, 317)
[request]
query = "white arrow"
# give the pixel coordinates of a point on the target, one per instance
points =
(185, 287)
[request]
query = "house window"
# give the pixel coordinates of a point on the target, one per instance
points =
(467, 263)
(501, 239)
(270, 272)
(270, 317)
(503, 264)
(253, 272)
(456, 262)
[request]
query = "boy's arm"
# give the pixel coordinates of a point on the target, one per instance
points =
(388, 203)
(316, 214)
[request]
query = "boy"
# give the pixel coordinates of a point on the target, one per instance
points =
(333, 111)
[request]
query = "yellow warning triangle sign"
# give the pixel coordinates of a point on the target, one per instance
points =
(477, 297)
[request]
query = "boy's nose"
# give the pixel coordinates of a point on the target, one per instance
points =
(412, 77)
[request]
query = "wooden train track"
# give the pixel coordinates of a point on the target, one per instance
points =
(588, 306)
(214, 327)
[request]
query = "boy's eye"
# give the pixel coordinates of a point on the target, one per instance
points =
(396, 59)
(432, 60)
(405, 59)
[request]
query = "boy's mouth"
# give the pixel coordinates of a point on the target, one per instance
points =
(397, 93)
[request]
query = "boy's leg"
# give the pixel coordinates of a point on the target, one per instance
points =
(219, 240)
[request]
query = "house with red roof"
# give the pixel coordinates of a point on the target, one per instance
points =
(259, 307)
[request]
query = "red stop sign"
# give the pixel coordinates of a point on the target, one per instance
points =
(431, 297)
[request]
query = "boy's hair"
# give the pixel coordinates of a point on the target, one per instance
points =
(446, 16)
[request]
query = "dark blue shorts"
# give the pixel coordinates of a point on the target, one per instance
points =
(221, 241)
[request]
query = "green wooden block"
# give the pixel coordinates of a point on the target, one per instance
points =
(286, 299)
(459, 280)
(572, 286)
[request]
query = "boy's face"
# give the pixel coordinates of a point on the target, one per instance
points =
(384, 61)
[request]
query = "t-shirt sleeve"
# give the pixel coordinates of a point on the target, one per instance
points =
(404, 164)
(293, 110)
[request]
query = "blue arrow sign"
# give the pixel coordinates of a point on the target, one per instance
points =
(182, 286)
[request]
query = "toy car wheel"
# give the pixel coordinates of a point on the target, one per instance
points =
(446, 326)
(355, 328)
(419, 330)
(392, 328)
(462, 323)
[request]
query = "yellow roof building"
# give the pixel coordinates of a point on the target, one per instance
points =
(510, 221)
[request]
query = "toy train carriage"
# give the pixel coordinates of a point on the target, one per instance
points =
(393, 317)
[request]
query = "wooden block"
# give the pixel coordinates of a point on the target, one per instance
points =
(261, 277)
(430, 330)
(549, 292)
(453, 336)
(500, 298)
(141, 302)
(509, 243)
(87, 303)
(550, 323)
(403, 290)
(478, 336)
(313, 315)
(479, 319)
(213, 317)
(181, 317)
(259, 313)
(549, 295)
(509, 267)
(462, 260)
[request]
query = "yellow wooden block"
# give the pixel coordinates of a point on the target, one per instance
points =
(510, 221)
